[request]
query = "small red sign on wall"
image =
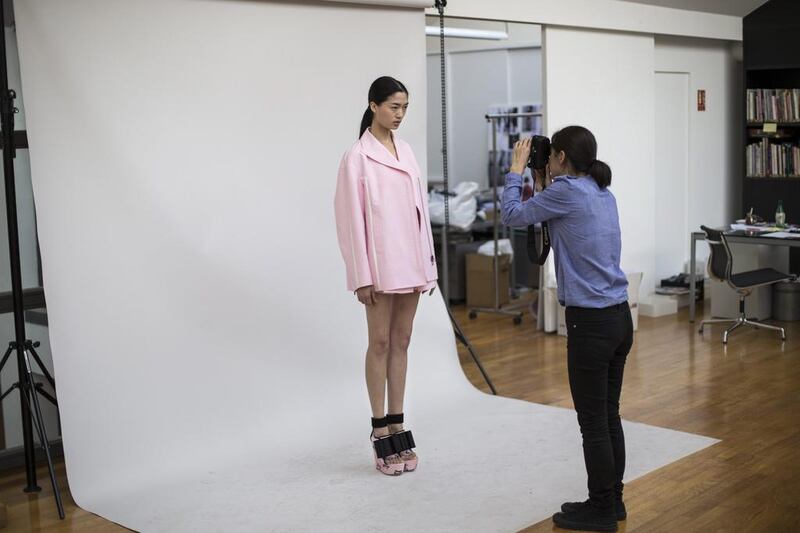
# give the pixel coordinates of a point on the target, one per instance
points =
(701, 100)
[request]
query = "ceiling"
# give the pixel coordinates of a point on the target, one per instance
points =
(737, 8)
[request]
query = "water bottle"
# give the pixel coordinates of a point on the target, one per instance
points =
(780, 216)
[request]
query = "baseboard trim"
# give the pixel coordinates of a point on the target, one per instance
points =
(15, 457)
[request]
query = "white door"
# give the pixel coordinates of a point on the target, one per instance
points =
(672, 173)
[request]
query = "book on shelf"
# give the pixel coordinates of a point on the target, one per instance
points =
(773, 105)
(765, 159)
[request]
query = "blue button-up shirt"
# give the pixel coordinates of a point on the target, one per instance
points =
(584, 235)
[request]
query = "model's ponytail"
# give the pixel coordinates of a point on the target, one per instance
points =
(366, 121)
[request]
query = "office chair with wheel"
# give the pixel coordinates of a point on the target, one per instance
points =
(720, 264)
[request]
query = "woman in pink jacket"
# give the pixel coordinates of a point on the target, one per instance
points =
(385, 238)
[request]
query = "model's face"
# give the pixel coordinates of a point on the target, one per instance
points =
(390, 113)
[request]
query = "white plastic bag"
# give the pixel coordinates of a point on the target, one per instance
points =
(463, 206)
(503, 247)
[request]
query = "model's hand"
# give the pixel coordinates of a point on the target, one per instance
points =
(522, 152)
(366, 295)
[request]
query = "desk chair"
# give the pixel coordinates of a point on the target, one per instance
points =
(720, 264)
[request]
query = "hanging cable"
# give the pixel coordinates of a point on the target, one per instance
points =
(440, 5)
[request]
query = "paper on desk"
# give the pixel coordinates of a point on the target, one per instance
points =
(747, 227)
(783, 235)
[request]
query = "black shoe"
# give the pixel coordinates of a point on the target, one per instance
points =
(619, 508)
(587, 518)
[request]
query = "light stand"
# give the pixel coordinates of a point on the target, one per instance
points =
(440, 5)
(29, 390)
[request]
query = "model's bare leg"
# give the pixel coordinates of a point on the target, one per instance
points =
(379, 320)
(404, 309)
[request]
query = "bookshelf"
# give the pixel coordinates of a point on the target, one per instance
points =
(773, 131)
(771, 136)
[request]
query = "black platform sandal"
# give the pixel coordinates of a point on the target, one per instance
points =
(383, 448)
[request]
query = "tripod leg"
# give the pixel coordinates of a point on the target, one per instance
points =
(5, 357)
(49, 397)
(31, 397)
(465, 342)
(41, 366)
(9, 391)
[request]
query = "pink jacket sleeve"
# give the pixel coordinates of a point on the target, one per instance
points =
(351, 224)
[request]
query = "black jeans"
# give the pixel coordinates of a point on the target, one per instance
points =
(598, 342)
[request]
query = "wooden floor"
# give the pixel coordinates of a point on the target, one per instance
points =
(747, 395)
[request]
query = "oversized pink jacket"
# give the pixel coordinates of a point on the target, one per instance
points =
(382, 218)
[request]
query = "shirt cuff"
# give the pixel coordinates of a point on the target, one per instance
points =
(513, 180)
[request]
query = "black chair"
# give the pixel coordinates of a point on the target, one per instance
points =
(720, 264)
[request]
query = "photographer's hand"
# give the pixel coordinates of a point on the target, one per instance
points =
(522, 152)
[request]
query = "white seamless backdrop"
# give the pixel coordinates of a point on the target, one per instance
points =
(209, 360)
(184, 183)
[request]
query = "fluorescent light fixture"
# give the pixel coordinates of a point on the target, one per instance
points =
(467, 33)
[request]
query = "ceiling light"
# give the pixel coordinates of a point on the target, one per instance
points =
(467, 33)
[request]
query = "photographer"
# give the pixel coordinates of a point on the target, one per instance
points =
(584, 226)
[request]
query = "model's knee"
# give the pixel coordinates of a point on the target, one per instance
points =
(401, 342)
(379, 347)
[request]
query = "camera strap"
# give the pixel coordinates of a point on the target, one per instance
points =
(535, 255)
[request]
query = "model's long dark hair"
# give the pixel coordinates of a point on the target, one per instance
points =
(580, 147)
(380, 91)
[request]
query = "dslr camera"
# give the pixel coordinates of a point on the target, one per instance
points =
(540, 152)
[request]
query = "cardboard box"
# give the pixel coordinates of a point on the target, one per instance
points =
(480, 279)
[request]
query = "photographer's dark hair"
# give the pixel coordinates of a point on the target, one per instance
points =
(380, 91)
(580, 147)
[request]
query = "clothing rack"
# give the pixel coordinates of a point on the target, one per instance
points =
(492, 118)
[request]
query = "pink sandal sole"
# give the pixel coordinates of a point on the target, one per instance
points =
(410, 464)
(403, 442)
(381, 465)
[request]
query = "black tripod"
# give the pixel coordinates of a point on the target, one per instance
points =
(465, 341)
(440, 5)
(28, 388)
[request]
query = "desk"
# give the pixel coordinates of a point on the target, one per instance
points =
(738, 239)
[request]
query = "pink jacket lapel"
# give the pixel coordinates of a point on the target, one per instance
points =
(376, 151)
